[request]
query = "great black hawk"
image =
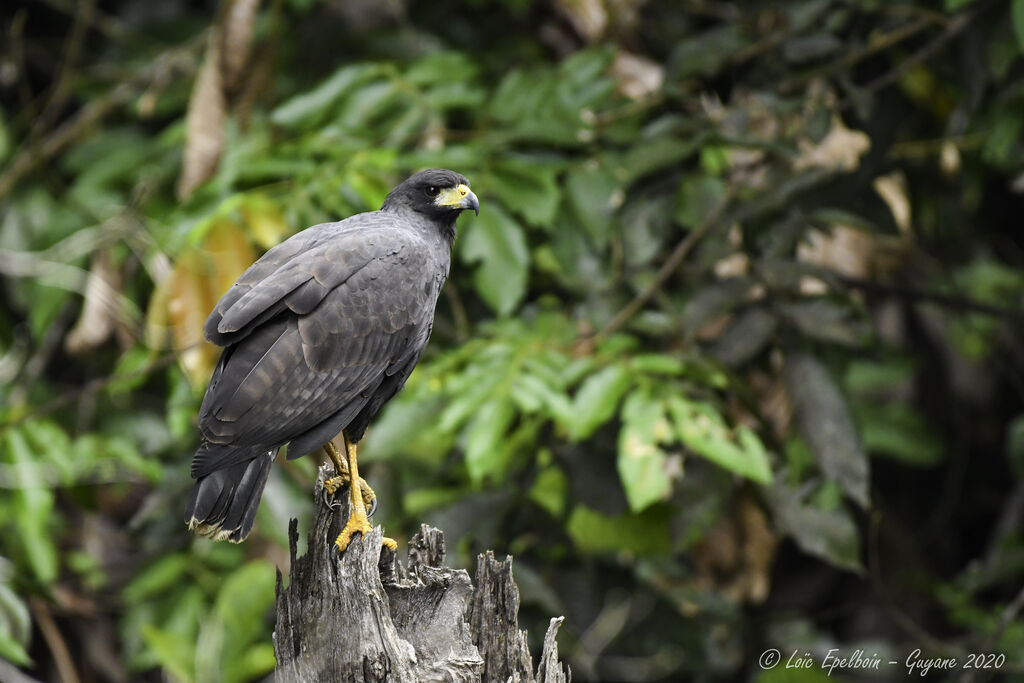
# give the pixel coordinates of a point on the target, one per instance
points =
(318, 334)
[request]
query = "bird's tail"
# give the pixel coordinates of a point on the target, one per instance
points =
(223, 503)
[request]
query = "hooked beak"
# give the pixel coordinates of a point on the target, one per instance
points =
(470, 201)
(461, 197)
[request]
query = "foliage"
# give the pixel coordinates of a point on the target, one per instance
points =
(733, 344)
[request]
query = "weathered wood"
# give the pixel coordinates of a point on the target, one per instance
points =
(362, 616)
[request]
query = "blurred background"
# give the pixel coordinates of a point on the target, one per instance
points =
(730, 360)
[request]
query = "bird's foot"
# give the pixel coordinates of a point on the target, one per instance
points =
(332, 485)
(359, 523)
(337, 482)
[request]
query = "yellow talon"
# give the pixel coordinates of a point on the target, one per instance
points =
(357, 522)
(362, 495)
(332, 485)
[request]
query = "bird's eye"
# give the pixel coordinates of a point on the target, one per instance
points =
(432, 191)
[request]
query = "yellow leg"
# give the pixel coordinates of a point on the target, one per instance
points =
(357, 522)
(342, 479)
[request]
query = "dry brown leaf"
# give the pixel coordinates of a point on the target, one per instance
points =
(100, 311)
(588, 17)
(892, 188)
(845, 250)
(204, 122)
(183, 300)
(840, 149)
(736, 556)
(637, 76)
(236, 27)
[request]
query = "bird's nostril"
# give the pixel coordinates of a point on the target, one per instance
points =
(463, 190)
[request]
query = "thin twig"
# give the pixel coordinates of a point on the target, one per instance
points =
(667, 268)
(955, 26)
(94, 386)
(54, 640)
(61, 90)
(941, 298)
(32, 155)
(879, 44)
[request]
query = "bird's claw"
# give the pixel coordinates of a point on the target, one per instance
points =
(331, 487)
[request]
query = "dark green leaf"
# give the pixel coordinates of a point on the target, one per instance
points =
(826, 425)
(496, 242)
(1017, 15)
(597, 400)
(1015, 446)
(528, 189)
(826, 321)
(830, 535)
(647, 533)
(594, 196)
(485, 438)
(745, 337)
(898, 431)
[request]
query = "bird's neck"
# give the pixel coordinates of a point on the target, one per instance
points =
(448, 231)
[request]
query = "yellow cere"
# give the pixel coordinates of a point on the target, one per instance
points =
(450, 196)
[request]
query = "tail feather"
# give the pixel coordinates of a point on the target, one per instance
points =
(223, 503)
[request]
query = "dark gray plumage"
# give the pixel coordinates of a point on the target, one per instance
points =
(319, 333)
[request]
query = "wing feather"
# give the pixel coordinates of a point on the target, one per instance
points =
(325, 348)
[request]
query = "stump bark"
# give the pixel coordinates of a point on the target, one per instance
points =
(362, 615)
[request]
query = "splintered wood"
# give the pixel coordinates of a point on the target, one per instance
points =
(363, 616)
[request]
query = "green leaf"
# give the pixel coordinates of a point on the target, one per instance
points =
(1015, 446)
(442, 67)
(533, 391)
(657, 364)
(704, 53)
(646, 533)
(5, 139)
(641, 462)
(530, 189)
(747, 335)
(596, 400)
(407, 425)
(704, 431)
(255, 662)
(594, 195)
(496, 242)
(174, 652)
(826, 321)
(15, 626)
(712, 301)
(358, 112)
(485, 447)
(828, 534)
(549, 490)
(244, 600)
(698, 197)
(419, 501)
(310, 108)
(826, 425)
(33, 507)
(130, 372)
(653, 154)
(156, 579)
(898, 431)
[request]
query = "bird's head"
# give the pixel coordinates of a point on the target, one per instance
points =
(437, 193)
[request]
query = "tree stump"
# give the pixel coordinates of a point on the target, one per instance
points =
(363, 616)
